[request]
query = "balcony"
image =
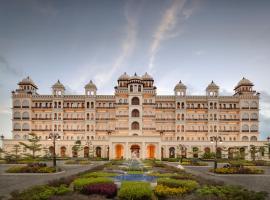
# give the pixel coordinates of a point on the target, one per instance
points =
(25, 129)
(25, 118)
(73, 119)
(245, 131)
(48, 107)
(16, 118)
(16, 106)
(41, 118)
(16, 129)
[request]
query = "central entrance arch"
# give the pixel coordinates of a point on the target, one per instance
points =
(119, 151)
(135, 150)
(151, 151)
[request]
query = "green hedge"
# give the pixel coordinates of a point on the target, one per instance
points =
(238, 170)
(43, 192)
(165, 191)
(230, 192)
(175, 183)
(27, 169)
(131, 190)
(79, 183)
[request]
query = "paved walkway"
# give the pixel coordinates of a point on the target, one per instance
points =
(8, 183)
(251, 182)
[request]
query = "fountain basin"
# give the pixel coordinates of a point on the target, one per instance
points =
(135, 177)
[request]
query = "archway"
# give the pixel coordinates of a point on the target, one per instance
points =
(63, 151)
(135, 150)
(135, 113)
(119, 151)
(195, 151)
(135, 126)
(242, 153)
(151, 151)
(230, 153)
(172, 152)
(86, 152)
(219, 152)
(51, 150)
(98, 152)
(135, 101)
(207, 150)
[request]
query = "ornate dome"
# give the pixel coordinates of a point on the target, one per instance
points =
(58, 84)
(212, 85)
(180, 86)
(244, 82)
(146, 76)
(90, 85)
(27, 81)
(124, 76)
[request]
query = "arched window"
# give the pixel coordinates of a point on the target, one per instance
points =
(135, 101)
(245, 116)
(25, 115)
(254, 128)
(17, 126)
(17, 104)
(25, 104)
(245, 128)
(254, 116)
(254, 104)
(183, 105)
(139, 88)
(182, 117)
(245, 104)
(245, 138)
(98, 152)
(135, 126)
(87, 116)
(253, 138)
(131, 88)
(135, 113)
(87, 127)
(178, 105)
(17, 115)
(25, 127)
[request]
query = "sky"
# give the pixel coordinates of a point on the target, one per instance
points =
(195, 41)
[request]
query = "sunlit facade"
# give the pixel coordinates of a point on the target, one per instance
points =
(136, 121)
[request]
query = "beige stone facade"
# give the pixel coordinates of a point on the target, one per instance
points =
(135, 121)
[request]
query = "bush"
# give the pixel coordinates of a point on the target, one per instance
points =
(99, 174)
(77, 162)
(240, 163)
(135, 172)
(39, 193)
(238, 170)
(131, 190)
(165, 191)
(62, 181)
(173, 159)
(174, 183)
(2, 162)
(261, 163)
(230, 192)
(31, 169)
(107, 189)
(79, 183)
(208, 155)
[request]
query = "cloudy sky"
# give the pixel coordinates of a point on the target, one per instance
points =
(193, 40)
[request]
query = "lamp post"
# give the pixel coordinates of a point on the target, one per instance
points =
(268, 139)
(216, 139)
(54, 137)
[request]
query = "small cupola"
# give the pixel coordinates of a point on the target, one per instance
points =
(180, 89)
(58, 89)
(90, 89)
(212, 89)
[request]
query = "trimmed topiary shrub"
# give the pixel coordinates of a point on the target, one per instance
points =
(31, 169)
(107, 189)
(238, 170)
(131, 190)
(79, 183)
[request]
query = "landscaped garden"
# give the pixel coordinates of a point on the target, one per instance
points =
(136, 180)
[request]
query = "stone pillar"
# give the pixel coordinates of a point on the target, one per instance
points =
(143, 151)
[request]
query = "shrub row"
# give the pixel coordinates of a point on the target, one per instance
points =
(174, 183)
(228, 192)
(28, 169)
(77, 162)
(165, 191)
(238, 170)
(99, 174)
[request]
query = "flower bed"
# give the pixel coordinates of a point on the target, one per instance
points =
(189, 185)
(238, 170)
(32, 168)
(188, 163)
(80, 183)
(165, 191)
(131, 190)
(229, 192)
(135, 172)
(43, 192)
(107, 189)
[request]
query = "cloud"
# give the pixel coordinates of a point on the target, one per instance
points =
(127, 46)
(6, 68)
(167, 26)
